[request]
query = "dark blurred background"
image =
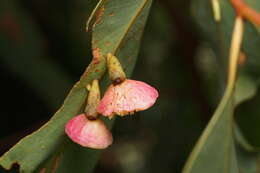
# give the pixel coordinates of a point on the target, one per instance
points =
(44, 49)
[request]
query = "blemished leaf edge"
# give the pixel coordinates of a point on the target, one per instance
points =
(89, 74)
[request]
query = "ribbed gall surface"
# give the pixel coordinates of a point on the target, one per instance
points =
(126, 98)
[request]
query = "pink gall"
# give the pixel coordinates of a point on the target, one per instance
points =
(89, 133)
(126, 98)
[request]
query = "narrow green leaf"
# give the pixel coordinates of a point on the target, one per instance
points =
(248, 162)
(215, 151)
(245, 89)
(248, 119)
(118, 29)
(241, 140)
(247, 157)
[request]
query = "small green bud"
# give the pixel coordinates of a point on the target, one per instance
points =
(115, 70)
(93, 100)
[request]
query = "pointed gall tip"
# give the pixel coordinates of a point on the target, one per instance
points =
(89, 133)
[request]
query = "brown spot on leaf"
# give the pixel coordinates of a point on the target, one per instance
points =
(108, 43)
(10, 27)
(99, 15)
(96, 55)
(111, 14)
(95, 41)
(241, 58)
(55, 164)
(43, 170)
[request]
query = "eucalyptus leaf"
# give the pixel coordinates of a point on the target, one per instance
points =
(118, 29)
(215, 150)
(248, 162)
